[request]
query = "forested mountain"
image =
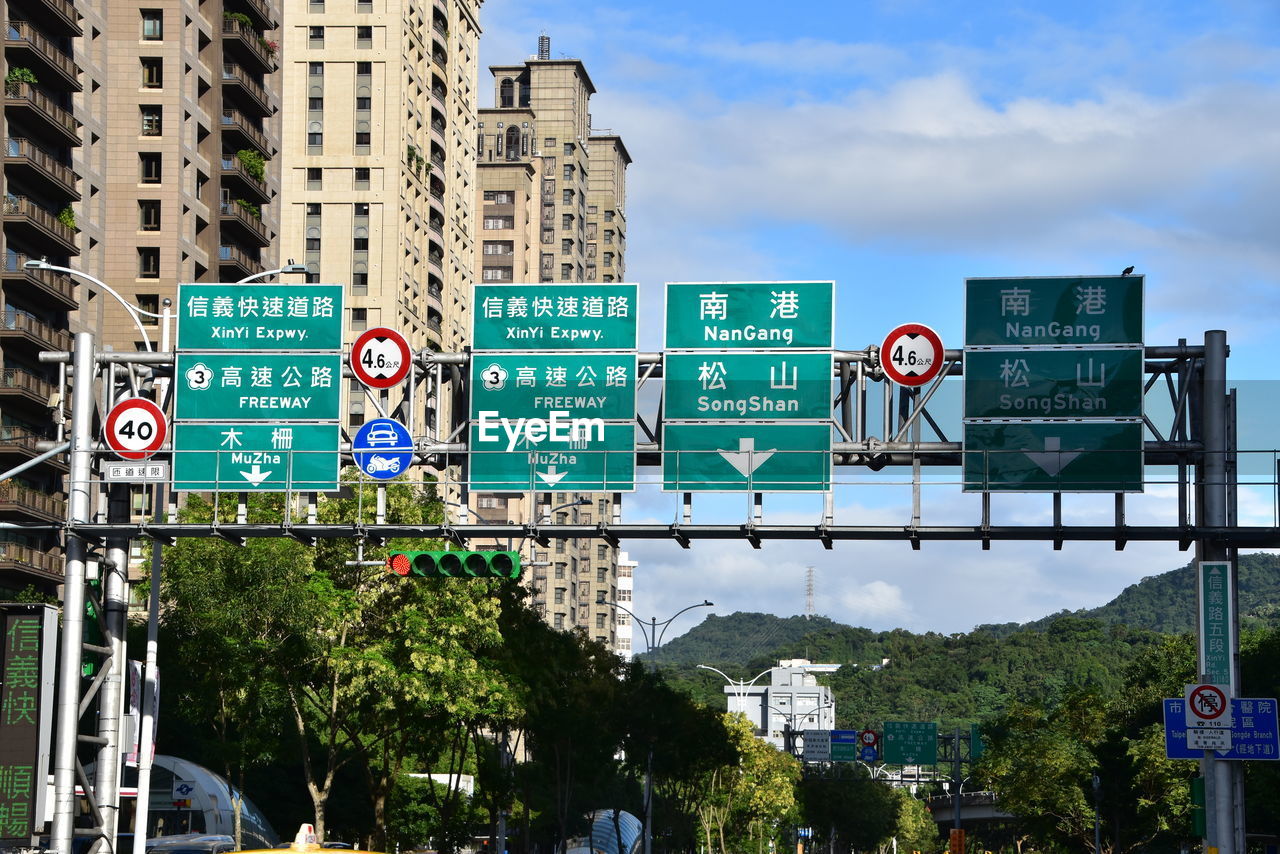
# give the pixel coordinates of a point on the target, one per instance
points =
(962, 677)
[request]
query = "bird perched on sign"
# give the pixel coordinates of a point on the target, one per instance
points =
(1127, 270)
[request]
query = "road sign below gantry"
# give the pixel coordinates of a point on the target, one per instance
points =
(135, 428)
(255, 457)
(771, 386)
(910, 743)
(750, 315)
(747, 456)
(382, 448)
(1069, 456)
(258, 386)
(380, 358)
(259, 317)
(911, 354)
(559, 453)
(554, 317)
(1047, 384)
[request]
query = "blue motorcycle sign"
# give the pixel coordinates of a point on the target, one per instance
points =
(382, 448)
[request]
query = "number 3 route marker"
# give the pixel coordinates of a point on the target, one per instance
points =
(135, 428)
(911, 354)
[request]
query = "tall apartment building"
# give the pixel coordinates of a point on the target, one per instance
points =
(551, 191)
(378, 165)
(41, 186)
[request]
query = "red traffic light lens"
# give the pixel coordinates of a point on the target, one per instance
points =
(399, 563)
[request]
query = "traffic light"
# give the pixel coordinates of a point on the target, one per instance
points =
(455, 564)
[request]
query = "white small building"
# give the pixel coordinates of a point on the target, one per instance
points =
(621, 619)
(791, 698)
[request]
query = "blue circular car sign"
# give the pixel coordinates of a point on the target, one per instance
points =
(382, 448)
(869, 754)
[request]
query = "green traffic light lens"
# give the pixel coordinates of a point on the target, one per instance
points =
(450, 565)
(477, 565)
(424, 563)
(501, 566)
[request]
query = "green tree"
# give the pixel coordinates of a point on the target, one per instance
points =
(755, 796)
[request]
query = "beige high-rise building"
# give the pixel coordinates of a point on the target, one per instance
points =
(552, 195)
(378, 166)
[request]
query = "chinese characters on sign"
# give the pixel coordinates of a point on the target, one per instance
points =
(1254, 733)
(1058, 361)
(1215, 622)
(742, 360)
(910, 743)
(26, 687)
(554, 317)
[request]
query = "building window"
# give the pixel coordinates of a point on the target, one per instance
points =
(313, 244)
(361, 208)
(497, 274)
(149, 214)
(150, 304)
(152, 25)
(566, 220)
(568, 171)
(315, 69)
(624, 595)
(608, 259)
(364, 69)
(364, 102)
(608, 235)
(566, 246)
(315, 178)
(315, 36)
(600, 574)
(363, 137)
(315, 104)
(364, 5)
(559, 621)
(499, 222)
(149, 167)
(602, 552)
(152, 119)
(359, 319)
(148, 262)
(599, 621)
(152, 72)
(568, 149)
(608, 216)
(499, 247)
(499, 197)
(566, 272)
(359, 244)
(559, 600)
(313, 209)
(567, 197)
(362, 178)
(364, 36)
(560, 568)
(549, 144)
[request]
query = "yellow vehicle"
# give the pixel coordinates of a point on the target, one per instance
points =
(306, 840)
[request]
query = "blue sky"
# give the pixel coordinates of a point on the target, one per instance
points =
(898, 147)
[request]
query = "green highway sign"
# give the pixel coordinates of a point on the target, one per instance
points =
(555, 454)
(533, 385)
(1067, 456)
(910, 743)
(1058, 383)
(746, 456)
(1216, 622)
(1071, 310)
(258, 386)
(747, 386)
(259, 317)
(750, 316)
(250, 457)
(554, 317)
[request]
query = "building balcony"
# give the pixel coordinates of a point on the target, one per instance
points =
(22, 214)
(236, 259)
(241, 182)
(25, 43)
(30, 502)
(57, 286)
(17, 325)
(25, 384)
(437, 133)
(39, 109)
(237, 79)
(238, 125)
(250, 225)
(21, 442)
(249, 45)
(39, 166)
(43, 566)
(263, 13)
(62, 18)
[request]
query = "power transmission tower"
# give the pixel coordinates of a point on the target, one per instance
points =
(808, 593)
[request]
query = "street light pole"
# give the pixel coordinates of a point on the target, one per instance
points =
(266, 274)
(652, 639)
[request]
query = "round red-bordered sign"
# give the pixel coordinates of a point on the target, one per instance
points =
(1208, 702)
(911, 354)
(380, 357)
(868, 737)
(135, 428)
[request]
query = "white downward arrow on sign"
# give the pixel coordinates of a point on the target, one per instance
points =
(747, 459)
(1053, 459)
(255, 475)
(551, 476)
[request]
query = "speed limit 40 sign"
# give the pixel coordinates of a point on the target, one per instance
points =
(135, 428)
(380, 357)
(911, 354)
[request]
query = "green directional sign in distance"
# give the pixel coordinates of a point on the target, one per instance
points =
(1216, 622)
(249, 457)
(554, 317)
(750, 316)
(1034, 312)
(1079, 456)
(258, 386)
(747, 386)
(747, 456)
(259, 317)
(551, 455)
(533, 385)
(910, 743)
(1045, 384)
